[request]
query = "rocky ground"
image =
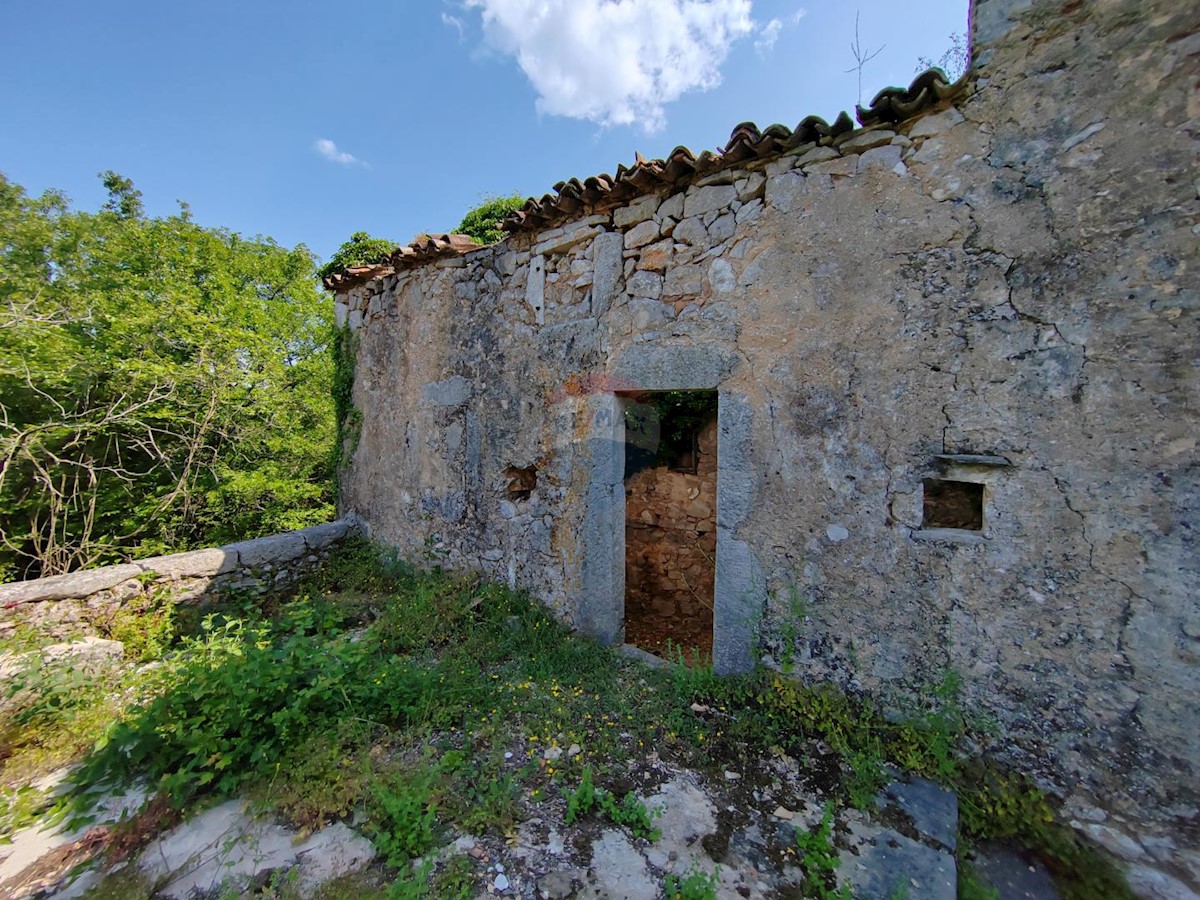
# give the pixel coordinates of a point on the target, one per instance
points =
(724, 834)
(718, 835)
(386, 733)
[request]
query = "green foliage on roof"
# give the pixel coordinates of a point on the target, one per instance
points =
(360, 250)
(483, 222)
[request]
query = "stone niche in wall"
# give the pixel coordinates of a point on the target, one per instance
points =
(670, 551)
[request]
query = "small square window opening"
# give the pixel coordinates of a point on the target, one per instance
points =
(953, 504)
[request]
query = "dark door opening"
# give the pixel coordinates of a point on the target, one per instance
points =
(671, 522)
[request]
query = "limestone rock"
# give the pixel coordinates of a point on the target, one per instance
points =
(886, 157)
(1013, 875)
(882, 862)
(639, 211)
(706, 199)
(641, 234)
(618, 870)
(865, 140)
(226, 847)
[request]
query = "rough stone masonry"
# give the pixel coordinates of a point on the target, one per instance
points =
(997, 291)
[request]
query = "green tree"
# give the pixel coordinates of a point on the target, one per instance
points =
(360, 250)
(162, 385)
(123, 198)
(483, 222)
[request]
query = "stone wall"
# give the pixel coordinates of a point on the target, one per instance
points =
(1002, 291)
(87, 600)
(671, 551)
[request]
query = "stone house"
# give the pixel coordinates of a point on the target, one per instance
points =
(955, 356)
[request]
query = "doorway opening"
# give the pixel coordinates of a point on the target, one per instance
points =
(671, 522)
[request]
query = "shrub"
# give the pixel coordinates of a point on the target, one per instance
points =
(483, 222)
(404, 814)
(237, 698)
(360, 250)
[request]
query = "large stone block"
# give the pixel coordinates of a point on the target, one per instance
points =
(74, 585)
(319, 537)
(675, 367)
(607, 264)
(703, 200)
(276, 549)
(196, 564)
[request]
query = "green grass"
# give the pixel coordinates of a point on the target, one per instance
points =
(424, 701)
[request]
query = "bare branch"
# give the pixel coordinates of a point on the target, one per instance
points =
(861, 57)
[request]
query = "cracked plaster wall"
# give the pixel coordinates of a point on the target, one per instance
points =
(1015, 275)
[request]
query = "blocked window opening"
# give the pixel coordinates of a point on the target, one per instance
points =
(671, 521)
(521, 482)
(953, 504)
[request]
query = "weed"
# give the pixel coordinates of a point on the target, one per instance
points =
(995, 804)
(361, 885)
(820, 861)
(477, 796)
(51, 710)
(970, 887)
(413, 883)
(281, 698)
(403, 816)
(236, 699)
(927, 741)
(797, 612)
(582, 800)
(867, 773)
(851, 729)
(148, 631)
(695, 885)
(46, 693)
(284, 884)
(322, 778)
(456, 880)
(697, 683)
(629, 811)
(20, 806)
(347, 416)
(127, 884)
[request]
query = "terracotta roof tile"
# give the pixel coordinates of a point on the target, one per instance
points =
(747, 142)
(422, 249)
(426, 247)
(354, 275)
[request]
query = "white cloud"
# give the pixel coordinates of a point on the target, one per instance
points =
(768, 34)
(456, 23)
(616, 62)
(330, 151)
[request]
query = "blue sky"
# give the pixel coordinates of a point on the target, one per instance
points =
(437, 102)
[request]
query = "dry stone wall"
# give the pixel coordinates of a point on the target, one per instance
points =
(671, 543)
(84, 601)
(1001, 292)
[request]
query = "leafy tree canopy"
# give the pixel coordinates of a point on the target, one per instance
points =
(123, 198)
(360, 250)
(162, 385)
(483, 222)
